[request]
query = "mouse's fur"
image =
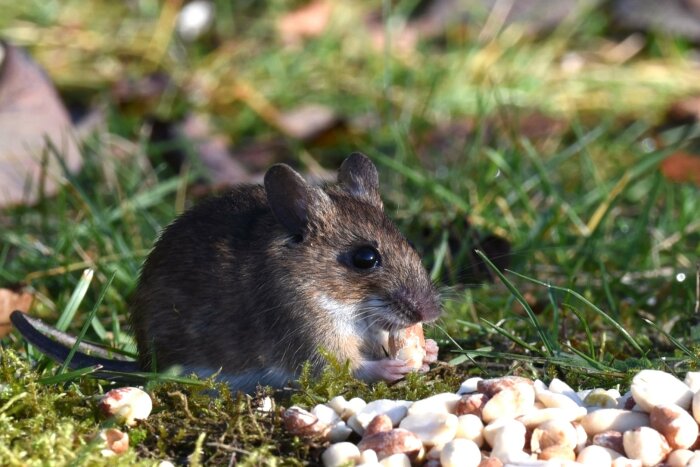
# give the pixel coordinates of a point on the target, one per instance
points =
(261, 278)
(255, 282)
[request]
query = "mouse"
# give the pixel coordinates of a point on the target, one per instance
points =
(251, 284)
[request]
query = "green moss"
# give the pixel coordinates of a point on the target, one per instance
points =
(337, 380)
(48, 425)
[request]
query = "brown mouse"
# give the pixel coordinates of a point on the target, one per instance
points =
(255, 282)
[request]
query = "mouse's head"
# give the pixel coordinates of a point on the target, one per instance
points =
(345, 253)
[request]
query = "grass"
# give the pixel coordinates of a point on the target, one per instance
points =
(600, 280)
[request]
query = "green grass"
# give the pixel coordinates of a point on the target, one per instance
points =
(599, 237)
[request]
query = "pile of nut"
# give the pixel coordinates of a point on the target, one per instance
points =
(515, 421)
(124, 405)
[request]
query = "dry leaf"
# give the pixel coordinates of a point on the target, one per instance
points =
(31, 113)
(214, 154)
(306, 22)
(680, 18)
(11, 300)
(682, 167)
(432, 19)
(684, 111)
(533, 125)
(308, 122)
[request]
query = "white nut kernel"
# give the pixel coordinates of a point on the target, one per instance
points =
(116, 442)
(645, 444)
(340, 454)
(654, 387)
(126, 405)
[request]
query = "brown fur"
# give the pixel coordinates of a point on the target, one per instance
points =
(245, 281)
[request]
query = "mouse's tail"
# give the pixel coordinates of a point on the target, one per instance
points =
(36, 333)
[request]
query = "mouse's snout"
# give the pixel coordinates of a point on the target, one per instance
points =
(431, 309)
(418, 305)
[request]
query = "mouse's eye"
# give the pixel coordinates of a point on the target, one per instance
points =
(366, 257)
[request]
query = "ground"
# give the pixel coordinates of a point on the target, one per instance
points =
(567, 155)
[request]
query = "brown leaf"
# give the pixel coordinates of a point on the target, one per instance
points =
(309, 122)
(432, 19)
(679, 18)
(213, 152)
(141, 95)
(31, 113)
(211, 149)
(682, 167)
(306, 22)
(11, 300)
(684, 111)
(537, 126)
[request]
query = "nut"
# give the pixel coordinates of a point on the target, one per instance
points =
(387, 443)
(492, 386)
(116, 442)
(553, 433)
(471, 404)
(126, 405)
(408, 345)
(303, 423)
(646, 445)
(676, 424)
(610, 439)
(379, 424)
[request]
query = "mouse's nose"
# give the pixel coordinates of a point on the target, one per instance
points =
(422, 305)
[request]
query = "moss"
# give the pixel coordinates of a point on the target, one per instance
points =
(337, 380)
(202, 425)
(48, 425)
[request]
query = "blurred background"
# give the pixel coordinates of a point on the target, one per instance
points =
(559, 138)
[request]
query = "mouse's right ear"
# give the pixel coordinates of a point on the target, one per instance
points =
(289, 197)
(358, 175)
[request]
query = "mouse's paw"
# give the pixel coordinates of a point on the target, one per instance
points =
(387, 369)
(431, 351)
(431, 354)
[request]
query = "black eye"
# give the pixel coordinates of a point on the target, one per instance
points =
(365, 257)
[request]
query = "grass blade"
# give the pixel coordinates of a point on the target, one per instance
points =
(679, 345)
(74, 302)
(519, 297)
(510, 336)
(626, 335)
(86, 325)
(70, 376)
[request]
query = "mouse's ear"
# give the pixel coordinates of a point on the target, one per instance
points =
(290, 197)
(359, 177)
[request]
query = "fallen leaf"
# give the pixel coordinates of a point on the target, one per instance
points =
(684, 111)
(309, 122)
(429, 20)
(532, 125)
(433, 19)
(536, 17)
(444, 145)
(140, 96)
(211, 150)
(11, 300)
(679, 18)
(306, 22)
(31, 116)
(257, 155)
(682, 167)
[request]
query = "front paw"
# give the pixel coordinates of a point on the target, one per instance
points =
(431, 354)
(431, 351)
(387, 369)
